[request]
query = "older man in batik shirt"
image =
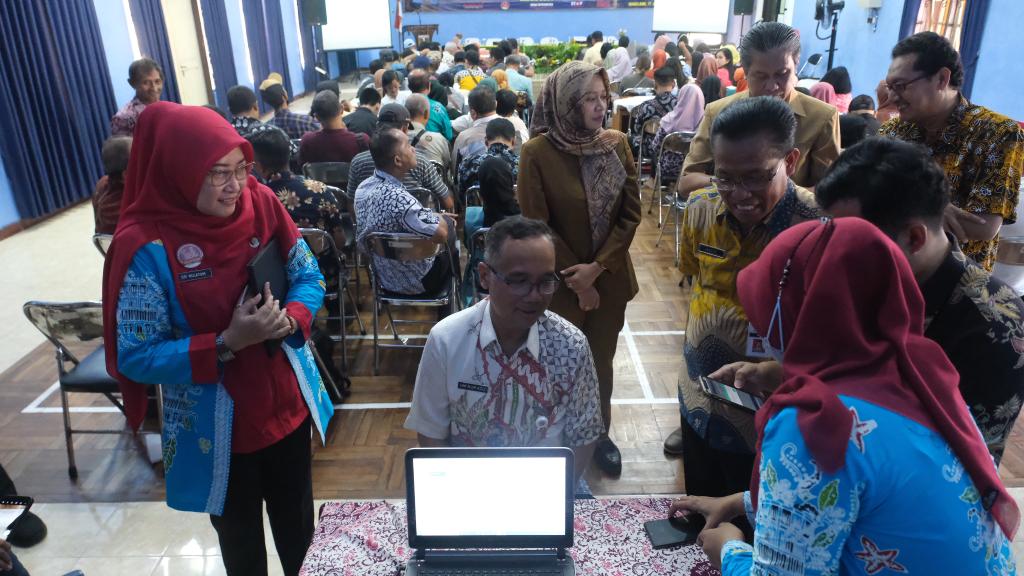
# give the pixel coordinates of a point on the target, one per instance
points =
(981, 151)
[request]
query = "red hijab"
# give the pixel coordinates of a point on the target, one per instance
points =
(174, 148)
(858, 334)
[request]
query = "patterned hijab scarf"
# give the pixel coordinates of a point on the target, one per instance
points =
(558, 116)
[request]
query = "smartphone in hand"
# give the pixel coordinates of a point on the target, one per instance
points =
(730, 394)
(672, 532)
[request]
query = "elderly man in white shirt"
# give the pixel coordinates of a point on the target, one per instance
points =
(507, 372)
(483, 105)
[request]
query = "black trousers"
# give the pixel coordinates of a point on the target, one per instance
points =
(6, 484)
(280, 475)
(710, 472)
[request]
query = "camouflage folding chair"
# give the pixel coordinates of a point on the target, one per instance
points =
(72, 324)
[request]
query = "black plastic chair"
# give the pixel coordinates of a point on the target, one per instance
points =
(330, 173)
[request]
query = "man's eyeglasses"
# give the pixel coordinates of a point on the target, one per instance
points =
(522, 286)
(747, 182)
(899, 88)
(219, 177)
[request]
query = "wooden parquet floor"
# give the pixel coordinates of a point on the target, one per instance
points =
(366, 441)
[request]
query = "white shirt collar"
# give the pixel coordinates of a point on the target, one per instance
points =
(485, 119)
(487, 334)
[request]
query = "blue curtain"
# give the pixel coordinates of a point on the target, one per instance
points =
(970, 40)
(218, 42)
(255, 34)
(277, 50)
(152, 33)
(56, 104)
(910, 10)
(309, 31)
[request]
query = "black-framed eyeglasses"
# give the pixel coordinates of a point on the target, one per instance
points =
(522, 286)
(899, 88)
(220, 177)
(747, 182)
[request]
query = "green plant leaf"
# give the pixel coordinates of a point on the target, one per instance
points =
(823, 540)
(770, 475)
(829, 495)
(970, 495)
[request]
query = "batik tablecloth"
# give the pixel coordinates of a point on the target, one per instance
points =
(370, 539)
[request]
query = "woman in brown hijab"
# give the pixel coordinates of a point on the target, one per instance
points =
(581, 180)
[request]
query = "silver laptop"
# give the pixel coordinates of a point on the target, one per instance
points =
(490, 511)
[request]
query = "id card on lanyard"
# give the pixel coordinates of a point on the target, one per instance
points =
(755, 344)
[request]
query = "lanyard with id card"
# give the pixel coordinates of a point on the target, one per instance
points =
(755, 344)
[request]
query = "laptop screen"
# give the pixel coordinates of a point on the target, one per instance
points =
(489, 497)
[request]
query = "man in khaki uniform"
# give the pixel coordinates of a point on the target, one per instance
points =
(770, 54)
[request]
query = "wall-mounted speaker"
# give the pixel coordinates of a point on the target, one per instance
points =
(314, 11)
(743, 7)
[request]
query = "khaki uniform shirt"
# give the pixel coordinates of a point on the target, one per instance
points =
(817, 137)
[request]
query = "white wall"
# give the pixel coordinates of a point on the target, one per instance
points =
(182, 33)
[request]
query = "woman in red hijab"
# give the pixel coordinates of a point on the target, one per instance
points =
(868, 460)
(237, 410)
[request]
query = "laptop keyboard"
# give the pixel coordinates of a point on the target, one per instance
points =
(505, 571)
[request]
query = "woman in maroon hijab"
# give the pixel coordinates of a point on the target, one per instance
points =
(237, 411)
(868, 460)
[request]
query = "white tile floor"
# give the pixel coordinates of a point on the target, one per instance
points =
(131, 538)
(54, 260)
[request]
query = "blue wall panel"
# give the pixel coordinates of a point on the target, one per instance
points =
(535, 23)
(863, 50)
(997, 80)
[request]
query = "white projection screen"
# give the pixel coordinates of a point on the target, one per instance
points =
(691, 16)
(356, 24)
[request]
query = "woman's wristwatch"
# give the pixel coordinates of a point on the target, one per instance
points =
(224, 354)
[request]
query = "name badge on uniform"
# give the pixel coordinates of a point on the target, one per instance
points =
(193, 275)
(755, 344)
(472, 387)
(711, 251)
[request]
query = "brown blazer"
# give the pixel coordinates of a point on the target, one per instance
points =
(817, 137)
(550, 188)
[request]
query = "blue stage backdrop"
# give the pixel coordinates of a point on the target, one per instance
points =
(451, 5)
